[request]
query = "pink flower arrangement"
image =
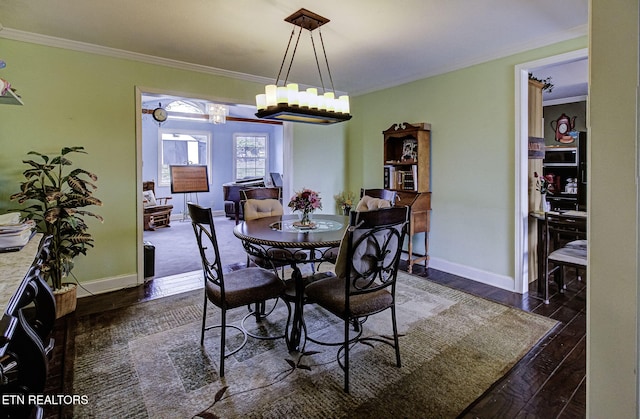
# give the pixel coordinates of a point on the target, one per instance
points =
(306, 201)
(544, 184)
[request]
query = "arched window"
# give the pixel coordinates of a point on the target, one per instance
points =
(184, 106)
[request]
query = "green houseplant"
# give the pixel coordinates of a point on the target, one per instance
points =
(53, 192)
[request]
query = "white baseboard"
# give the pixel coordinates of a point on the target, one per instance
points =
(101, 286)
(500, 281)
(478, 275)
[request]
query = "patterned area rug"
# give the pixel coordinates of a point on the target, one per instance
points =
(145, 361)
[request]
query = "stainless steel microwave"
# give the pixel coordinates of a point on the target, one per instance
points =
(560, 156)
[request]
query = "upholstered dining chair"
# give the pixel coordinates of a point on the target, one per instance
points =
(370, 199)
(260, 203)
(364, 283)
(565, 245)
(260, 208)
(385, 194)
(243, 287)
(262, 193)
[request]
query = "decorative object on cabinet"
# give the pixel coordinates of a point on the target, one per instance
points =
(563, 126)
(410, 179)
(55, 193)
(286, 103)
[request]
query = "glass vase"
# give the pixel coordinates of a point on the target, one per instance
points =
(544, 205)
(305, 218)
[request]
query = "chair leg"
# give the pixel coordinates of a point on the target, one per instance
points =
(346, 356)
(260, 310)
(546, 282)
(395, 335)
(223, 334)
(204, 320)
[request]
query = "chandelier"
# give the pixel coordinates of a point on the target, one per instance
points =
(286, 102)
(217, 113)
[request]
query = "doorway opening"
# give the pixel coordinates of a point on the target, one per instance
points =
(215, 140)
(558, 64)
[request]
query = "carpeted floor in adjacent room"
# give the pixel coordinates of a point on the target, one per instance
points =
(176, 250)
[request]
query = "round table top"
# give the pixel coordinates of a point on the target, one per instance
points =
(280, 231)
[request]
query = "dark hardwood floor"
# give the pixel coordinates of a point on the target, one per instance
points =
(549, 382)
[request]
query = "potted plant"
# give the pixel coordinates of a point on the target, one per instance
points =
(345, 201)
(54, 192)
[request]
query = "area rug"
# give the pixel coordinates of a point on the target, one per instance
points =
(145, 361)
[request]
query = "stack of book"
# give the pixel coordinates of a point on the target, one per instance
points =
(401, 177)
(14, 232)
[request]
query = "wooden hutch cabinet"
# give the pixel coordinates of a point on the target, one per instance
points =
(407, 171)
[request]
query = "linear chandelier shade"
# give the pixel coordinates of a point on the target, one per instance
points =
(286, 102)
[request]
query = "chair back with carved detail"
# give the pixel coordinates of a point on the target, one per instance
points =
(365, 278)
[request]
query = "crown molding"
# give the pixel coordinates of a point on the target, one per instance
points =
(51, 41)
(565, 35)
(18, 35)
(564, 100)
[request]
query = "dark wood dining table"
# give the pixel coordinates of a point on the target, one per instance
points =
(281, 240)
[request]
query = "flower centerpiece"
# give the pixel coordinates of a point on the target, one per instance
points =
(345, 201)
(306, 201)
(544, 184)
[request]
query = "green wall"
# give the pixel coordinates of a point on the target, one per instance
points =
(319, 161)
(471, 112)
(612, 279)
(77, 98)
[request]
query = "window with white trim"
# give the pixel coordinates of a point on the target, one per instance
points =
(182, 147)
(250, 153)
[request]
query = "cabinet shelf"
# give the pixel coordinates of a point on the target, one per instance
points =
(407, 150)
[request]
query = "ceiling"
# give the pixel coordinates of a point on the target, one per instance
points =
(370, 44)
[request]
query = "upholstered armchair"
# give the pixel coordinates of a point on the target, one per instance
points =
(157, 210)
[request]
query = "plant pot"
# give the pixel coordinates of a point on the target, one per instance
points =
(66, 299)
